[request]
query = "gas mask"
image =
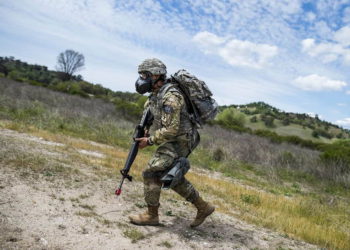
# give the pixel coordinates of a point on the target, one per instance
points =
(144, 83)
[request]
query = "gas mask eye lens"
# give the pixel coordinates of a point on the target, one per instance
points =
(144, 75)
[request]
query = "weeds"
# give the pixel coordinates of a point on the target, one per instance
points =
(166, 244)
(18, 156)
(140, 204)
(133, 234)
(86, 213)
(88, 207)
(250, 199)
(83, 196)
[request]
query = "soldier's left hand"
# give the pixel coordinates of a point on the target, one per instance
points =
(142, 142)
(147, 133)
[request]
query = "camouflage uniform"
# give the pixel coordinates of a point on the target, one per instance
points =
(176, 137)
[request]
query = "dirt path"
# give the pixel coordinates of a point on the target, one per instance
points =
(50, 198)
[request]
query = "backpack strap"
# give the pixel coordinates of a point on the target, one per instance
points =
(191, 108)
(164, 90)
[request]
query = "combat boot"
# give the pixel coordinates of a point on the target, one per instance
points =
(204, 209)
(148, 218)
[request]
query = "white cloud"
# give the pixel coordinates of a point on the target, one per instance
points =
(310, 16)
(315, 82)
(284, 7)
(348, 92)
(323, 30)
(344, 122)
(311, 114)
(343, 36)
(308, 43)
(327, 52)
(208, 42)
(236, 52)
(342, 104)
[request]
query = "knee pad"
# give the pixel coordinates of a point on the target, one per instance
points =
(175, 175)
(151, 174)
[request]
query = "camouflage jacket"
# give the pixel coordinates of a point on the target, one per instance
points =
(171, 119)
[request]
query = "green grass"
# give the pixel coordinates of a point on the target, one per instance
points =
(289, 130)
(105, 131)
(134, 235)
(297, 130)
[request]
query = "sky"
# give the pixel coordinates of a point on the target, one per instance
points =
(291, 54)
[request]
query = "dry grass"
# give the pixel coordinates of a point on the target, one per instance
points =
(315, 220)
(29, 160)
(305, 215)
(301, 217)
(220, 149)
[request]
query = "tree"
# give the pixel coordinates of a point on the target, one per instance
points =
(285, 122)
(69, 62)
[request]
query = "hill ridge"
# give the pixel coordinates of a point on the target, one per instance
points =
(131, 104)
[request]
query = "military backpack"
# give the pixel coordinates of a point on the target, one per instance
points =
(198, 97)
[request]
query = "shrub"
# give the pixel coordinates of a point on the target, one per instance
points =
(231, 117)
(128, 109)
(340, 135)
(15, 75)
(218, 154)
(321, 132)
(337, 154)
(254, 119)
(269, 134)
(287, 159)
(268, 120)
(250, 199)
(285, 122)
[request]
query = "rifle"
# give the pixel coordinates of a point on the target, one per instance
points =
(139, 132)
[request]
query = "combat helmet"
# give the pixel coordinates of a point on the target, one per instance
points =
(153, 65)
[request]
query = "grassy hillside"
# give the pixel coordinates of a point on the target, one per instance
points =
(129, 104)
(256, 116)
(287, 188)
(261, 116)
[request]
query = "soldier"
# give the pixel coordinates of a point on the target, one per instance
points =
(175, 136)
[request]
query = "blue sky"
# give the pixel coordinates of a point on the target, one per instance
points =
(294, 55)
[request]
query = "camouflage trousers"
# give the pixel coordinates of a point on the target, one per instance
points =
(161, 162)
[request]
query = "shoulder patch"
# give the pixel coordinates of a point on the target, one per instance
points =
(168, 109)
